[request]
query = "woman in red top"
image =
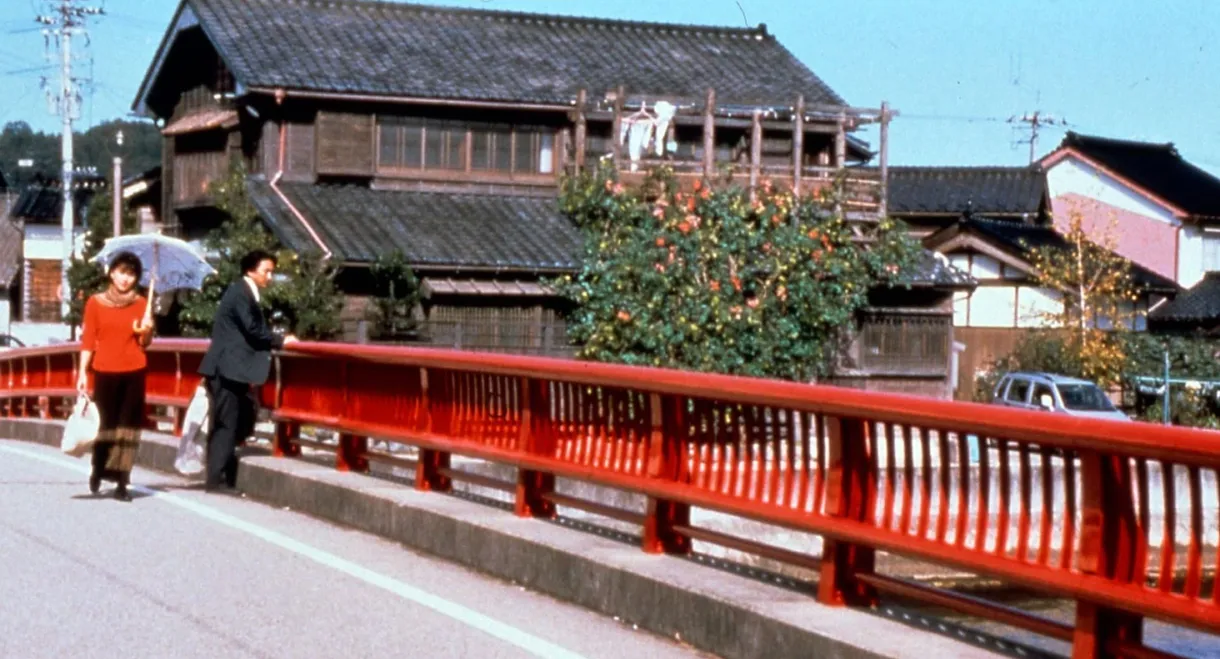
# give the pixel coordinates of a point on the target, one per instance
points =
(113, 340)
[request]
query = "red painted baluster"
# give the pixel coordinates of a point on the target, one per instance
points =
(1194, 551)
(284, 443)
(436, 405)
(539, 441)
(352, 454)
(850, 488)
(1109, 543)
(667, 449)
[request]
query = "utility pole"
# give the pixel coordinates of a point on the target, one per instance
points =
(117, 202)
(64, 20)
(1036, 121)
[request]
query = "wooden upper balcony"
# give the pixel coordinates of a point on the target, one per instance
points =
(802, 147)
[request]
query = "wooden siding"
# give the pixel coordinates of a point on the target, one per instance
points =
(167, 186)
(299, 159)
(42, 291)
(984, 345)
(195, 172)
(345, 143)
(269, 148)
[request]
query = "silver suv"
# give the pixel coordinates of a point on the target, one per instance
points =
(1055, 393)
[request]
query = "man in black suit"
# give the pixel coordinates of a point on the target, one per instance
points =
(238, 357)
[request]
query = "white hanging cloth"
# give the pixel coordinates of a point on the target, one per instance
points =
(636, 133)
(637, 141)
(665, 116)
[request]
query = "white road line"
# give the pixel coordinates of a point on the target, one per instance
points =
(505, 632)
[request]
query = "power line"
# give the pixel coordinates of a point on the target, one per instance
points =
(953, 118)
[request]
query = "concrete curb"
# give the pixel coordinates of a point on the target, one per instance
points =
(728, 615)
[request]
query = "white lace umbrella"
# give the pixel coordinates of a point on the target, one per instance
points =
(169, 264)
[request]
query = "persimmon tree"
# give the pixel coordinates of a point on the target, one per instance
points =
(719, 280)
(1098, 296)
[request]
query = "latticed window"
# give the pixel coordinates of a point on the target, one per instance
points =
(905, 343)
(416, 143)
(519, 330)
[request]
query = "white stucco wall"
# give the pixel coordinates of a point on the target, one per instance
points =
(1033, 305)
(1191, 267)
(1075, 176)
(46, 242)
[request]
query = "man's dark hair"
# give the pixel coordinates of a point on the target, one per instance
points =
(249, 262)
(127, 261)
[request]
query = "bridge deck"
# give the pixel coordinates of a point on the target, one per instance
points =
(183, 574)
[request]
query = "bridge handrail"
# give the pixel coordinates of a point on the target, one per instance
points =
(867, 471)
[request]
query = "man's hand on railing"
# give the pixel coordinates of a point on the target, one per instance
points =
(290, 339)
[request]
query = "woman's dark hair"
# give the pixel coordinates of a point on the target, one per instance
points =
(127, 261)
(249, 262)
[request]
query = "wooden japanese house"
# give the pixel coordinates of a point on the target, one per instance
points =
(370, 126)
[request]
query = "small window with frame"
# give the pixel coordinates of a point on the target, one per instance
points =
(1018, 391)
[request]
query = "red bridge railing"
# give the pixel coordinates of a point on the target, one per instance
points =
(1122, 518)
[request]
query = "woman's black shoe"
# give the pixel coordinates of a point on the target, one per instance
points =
(95, 483)
(121, 494)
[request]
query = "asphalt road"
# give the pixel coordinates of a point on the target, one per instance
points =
(178, 573)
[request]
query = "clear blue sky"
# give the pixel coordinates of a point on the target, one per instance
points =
(955, 69)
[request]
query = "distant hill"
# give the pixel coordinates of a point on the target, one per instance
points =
(95, 147)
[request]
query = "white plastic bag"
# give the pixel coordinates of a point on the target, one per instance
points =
(80, 432)
(190, 459)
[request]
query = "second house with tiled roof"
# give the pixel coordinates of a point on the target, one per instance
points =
(1162, 211)
(369, 126)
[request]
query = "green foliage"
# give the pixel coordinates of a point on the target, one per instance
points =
(717, 281)
(95, 147)
(1187, 408)
(303, 300)
(396, 294)
(85, 277)
(1189, 357)
(241, 233)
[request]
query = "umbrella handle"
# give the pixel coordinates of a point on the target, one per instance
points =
(152, 290)
(152, 284)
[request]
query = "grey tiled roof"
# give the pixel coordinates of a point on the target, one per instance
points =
(1200, 303)
(387, 48)
(438, 229)
(984, 190)
(932, 269)
(43, 203)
